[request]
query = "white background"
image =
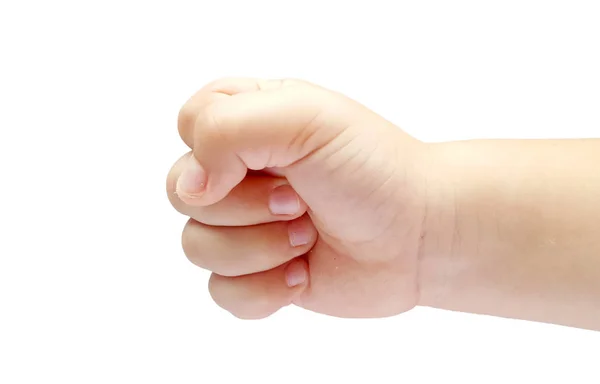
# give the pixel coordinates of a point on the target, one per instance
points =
(94, 287)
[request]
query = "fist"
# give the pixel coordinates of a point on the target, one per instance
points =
(299, 195)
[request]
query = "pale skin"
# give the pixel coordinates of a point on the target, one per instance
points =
(299, 195)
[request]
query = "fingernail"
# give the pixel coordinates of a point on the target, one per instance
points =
(295, 273)
(192, 181)
(284, 201)
(299, 233)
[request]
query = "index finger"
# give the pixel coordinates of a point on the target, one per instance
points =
(205, 96)
(214, 91)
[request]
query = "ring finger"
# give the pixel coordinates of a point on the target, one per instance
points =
(236, 251)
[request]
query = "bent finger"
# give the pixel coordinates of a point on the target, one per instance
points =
(258, 130)
(235, 251)
(257, 199)
(261, 294)
(216, 90)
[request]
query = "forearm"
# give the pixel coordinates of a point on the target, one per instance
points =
(513, 229)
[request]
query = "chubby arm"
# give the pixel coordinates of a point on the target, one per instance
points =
(513, 230)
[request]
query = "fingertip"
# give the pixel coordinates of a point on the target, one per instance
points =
(296, 273)
(284, 201)
(191, 184)
(301, 232)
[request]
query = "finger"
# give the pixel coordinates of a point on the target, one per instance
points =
(257, 130)
(214, 91)
(256, 200)
(205, 96)
(235, 251)
(261, 294)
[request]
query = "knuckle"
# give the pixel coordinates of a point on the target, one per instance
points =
(249, 307)
(186, 118)
(217, 291)
(202, 256)
(254, 308)
(209, 119)
(271, 84)
(248, 316)
(219, 83)
(257, 305)
(201, 214)
(189, 244)
(214, 125)
(260, 306)
(213, 288)
(292, 81)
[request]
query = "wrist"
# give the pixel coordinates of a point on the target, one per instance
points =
(441, 238)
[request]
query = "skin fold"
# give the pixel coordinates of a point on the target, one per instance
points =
(299, 195)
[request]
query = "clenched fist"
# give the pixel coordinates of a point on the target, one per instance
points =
(299, 195)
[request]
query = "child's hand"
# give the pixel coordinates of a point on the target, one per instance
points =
(299, 195)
